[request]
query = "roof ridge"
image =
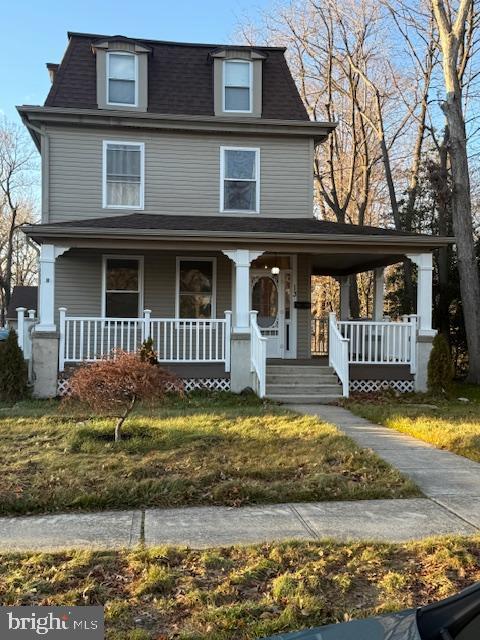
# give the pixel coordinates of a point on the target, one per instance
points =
(79, 34)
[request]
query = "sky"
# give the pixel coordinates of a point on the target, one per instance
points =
(35, 32)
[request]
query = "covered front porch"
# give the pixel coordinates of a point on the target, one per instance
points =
(223, 307)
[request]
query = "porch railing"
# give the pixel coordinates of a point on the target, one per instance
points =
(380, 342)
(176, 340)
(24, 330)
(258, 356)
(338, 353)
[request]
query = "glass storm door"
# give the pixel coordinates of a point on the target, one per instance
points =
(269, 297)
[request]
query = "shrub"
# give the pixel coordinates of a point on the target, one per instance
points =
(440, 366)
(13, 370)
(119, 383)
(147, 353)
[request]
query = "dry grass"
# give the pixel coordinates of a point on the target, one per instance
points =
(241, 593)
(210, 450)
(446, 423)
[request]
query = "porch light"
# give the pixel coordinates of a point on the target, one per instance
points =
(275, 271)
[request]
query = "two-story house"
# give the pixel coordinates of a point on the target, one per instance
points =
(177, 199)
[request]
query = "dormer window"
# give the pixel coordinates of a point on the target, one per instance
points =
(237, 86)
(122, 78)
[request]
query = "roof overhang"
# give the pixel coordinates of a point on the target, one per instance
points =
(357, 252)
(38, 116)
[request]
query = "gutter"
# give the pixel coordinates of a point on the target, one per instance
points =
(109, 117)
(175, 234)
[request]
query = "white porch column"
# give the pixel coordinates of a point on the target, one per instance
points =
(426, 333)
(424, 262)
(240, 354)
(344, 297)
(242, 258)
(46, 302)
(45, 338)
(378, 294)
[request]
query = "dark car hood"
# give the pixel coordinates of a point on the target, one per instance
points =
(397, 626)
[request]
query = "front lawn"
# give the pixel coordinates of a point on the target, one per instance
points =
(241, 593)
(204, 450)
(448, 424)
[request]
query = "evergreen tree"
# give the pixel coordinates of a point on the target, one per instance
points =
(440, 368)
(13, 370)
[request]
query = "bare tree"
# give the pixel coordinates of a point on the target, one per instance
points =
(454, 38)
(17, 182)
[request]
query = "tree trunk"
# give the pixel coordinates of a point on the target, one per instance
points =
(444, 253)
(463, 230)
(122, 418)
(353, 294)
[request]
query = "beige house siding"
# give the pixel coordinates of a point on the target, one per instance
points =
(303, 315)
(182, 173)
(84, 268)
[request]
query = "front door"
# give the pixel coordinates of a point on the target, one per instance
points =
(271, 298)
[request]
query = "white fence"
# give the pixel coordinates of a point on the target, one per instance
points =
(338, 354)
(175, 340)
(24, 330)
(258, 356)
(380, 342)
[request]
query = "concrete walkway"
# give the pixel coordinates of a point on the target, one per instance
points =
(450, 483)
(448, 480)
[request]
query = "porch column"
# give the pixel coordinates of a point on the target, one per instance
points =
(426, 333)
(46, 300)
(242, 258)
(378, 294)
(344, 297)
(240, 370)
(45, 336)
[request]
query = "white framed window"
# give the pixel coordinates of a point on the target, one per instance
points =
(239, 179)
(196, 286)
(122, 286)
(237, 86)
(123, 174)
(122, 78)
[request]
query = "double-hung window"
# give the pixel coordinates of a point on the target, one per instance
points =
(123, 174)
(122, 287)
(196, 288)
(237, 86)
(122, 79)
(239, 180)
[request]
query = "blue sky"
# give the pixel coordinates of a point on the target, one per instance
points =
(35, 32)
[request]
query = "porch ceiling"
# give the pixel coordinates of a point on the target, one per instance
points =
(344, 264)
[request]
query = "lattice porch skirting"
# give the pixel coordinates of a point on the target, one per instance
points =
(191, 384)
(369, 386)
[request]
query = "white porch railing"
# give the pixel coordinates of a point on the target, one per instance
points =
(86, 339)
(338, 353)
(380, 342)
(258, 356)
(24, 330)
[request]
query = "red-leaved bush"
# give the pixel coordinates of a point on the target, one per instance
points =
(119, 383)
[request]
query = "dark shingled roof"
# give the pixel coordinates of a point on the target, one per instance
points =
(180, 79)
(233, 224)
(22, 297)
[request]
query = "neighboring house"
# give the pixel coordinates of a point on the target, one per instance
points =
(23, 297)
(177, 197)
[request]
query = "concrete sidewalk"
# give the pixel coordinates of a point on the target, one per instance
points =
(450, 482)
(201, 527)
(447, 479)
